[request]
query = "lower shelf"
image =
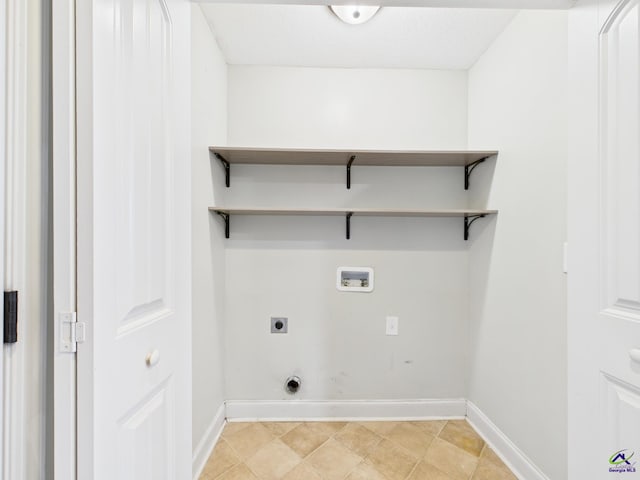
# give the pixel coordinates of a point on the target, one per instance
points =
(469, 216)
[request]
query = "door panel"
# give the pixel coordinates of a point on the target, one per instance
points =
(142, 159)
(138, 452)
(619, 73)
(134, 391)
(621, 407)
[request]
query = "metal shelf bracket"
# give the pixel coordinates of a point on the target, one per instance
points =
(226, 217)
(470, 168)
(468, 220)
(348, 220)
(353, 157)
(227, 169)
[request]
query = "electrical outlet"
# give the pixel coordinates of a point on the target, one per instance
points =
(279, 324)
(392, 325)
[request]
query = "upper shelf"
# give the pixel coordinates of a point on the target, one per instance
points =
(397, 158)
(371, 212)
(394, 158)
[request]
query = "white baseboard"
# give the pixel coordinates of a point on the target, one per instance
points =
(291, 410)
(208, 442)
(511, 455)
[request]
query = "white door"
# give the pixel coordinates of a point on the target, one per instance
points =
(134, 262)
(604, 217)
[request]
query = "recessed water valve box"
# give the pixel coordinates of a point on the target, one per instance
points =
(355, 279)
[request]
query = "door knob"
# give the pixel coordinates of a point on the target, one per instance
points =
(634, 353)
(153, 357)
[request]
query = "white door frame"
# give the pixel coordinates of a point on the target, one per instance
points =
(3, 163)
(14, 221)
(582, 179)
(64, 231)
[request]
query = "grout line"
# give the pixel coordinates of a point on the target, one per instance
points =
(354, 468)
(486, 445)
(249, 468)
(233, 450)
(413, 469)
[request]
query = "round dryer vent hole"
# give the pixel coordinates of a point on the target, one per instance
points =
(292, 384)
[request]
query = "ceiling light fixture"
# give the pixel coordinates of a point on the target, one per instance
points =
(354, 14)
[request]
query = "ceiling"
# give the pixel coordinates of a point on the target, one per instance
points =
(512, 4)
(311, 36)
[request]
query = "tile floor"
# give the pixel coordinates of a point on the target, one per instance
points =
(429, 450)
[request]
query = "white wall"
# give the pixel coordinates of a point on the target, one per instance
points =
(332, 107)
(209, 126)
(518, 103)
(286, 266)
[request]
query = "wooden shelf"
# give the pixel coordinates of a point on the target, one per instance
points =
(371, 212)
(394, 158)
(469, 215)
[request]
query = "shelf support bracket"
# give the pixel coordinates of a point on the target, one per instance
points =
(348, 220)
(227, 169)
(470, 168)
(353, 157)
(468, 220)
(226, 217)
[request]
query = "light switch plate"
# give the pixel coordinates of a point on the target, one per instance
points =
(392, 325)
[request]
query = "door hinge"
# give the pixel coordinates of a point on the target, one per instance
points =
(72, 332)
(10, 317)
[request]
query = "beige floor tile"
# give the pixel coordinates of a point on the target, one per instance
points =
(222, 459)
(333, 460)
(233, 427)
(303, 439)
(365, 471)
(239, 472)
(303, 471)
(412, 438)
(327, 428)
(490, 471)
(280, 428)
(335, 451)
(394, 462)
(381, 428)
(462, 435)
(490, 456)
(425, 471)
(358, 439)
(249, 440)
(455, 462)
(432, 427)
(273, 460)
